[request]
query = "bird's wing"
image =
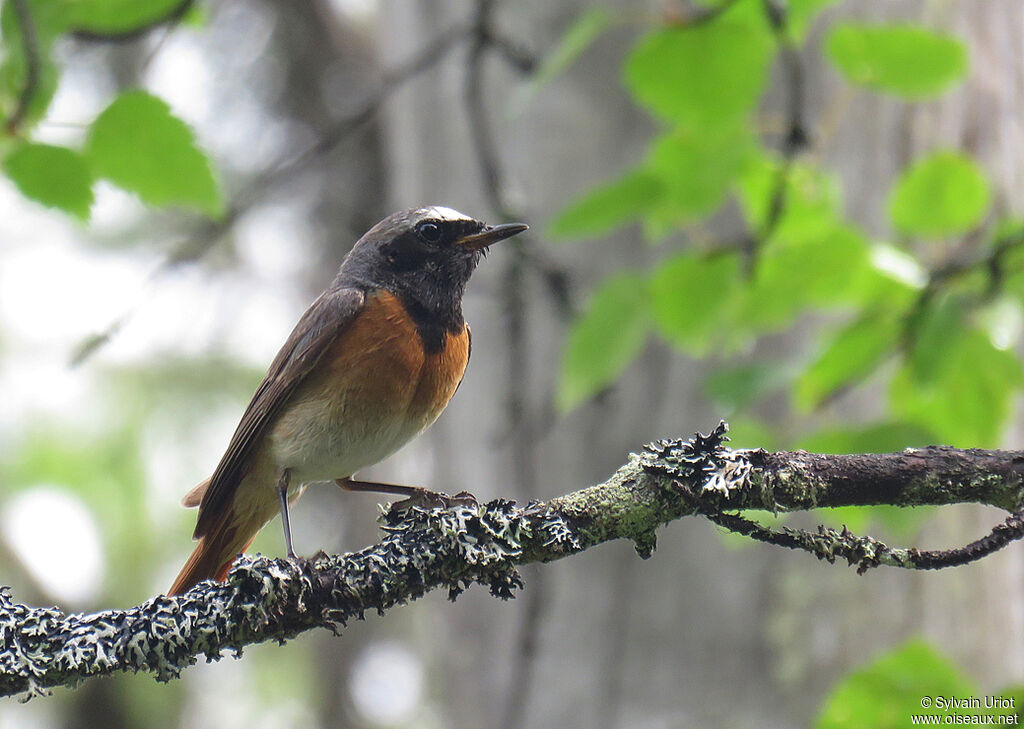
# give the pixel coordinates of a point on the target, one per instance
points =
(322, 323)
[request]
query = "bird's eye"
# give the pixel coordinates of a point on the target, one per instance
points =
(429, 232)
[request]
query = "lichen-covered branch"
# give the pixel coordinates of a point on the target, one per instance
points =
(266, 599)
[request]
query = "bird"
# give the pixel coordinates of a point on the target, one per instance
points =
(372, 363)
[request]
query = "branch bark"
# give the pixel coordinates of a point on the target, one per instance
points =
(266, 599)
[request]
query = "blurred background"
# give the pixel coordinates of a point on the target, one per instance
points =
(133, 333)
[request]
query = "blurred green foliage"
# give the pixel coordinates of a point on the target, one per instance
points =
(911, 680)
(921, 320)
(907, 60)
(606, 339)
(928, 331)
(136, 142)
(139, 145)
(943, 194)
(55, 176)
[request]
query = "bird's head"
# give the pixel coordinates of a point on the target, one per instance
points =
(427, 253)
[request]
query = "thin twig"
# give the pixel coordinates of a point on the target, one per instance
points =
(510, 51)
(866, 552)
(795, 138)
(33, 64)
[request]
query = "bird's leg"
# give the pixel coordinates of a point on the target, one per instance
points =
(414, 495)
(282, 494)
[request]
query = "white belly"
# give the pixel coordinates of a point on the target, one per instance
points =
(324, 442)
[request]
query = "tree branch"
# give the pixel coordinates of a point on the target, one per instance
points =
(266, 599)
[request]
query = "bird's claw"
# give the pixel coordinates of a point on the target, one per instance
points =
(307, 563)
(427, 499)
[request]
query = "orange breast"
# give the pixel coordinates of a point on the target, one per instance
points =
(383, 351)
(440, 376)
(373, 390)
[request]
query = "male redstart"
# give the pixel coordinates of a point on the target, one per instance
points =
(371, 364)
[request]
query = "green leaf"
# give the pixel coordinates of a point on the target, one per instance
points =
(896, 277)
(119, 16)
(685, 176)
(886, 692)
(942, 194)
(138, 144)
(794, 274)
(49, 19)
(969, 397)
(55, 176)
(701, 77)
(696, 172)
(690, 296)
(907, 60)
(608, 206)
(852, 354)
(605, 340)
(589, 26)
(811, 200)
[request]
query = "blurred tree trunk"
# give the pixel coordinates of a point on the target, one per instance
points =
(760, 619)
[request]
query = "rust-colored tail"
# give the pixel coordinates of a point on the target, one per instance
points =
(214, 554)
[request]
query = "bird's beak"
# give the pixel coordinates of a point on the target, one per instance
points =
(490, 234)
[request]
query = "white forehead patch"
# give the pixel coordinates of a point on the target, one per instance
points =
(442, 213)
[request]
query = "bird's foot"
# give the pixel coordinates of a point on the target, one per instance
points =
(427, 499)
(307, 563)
